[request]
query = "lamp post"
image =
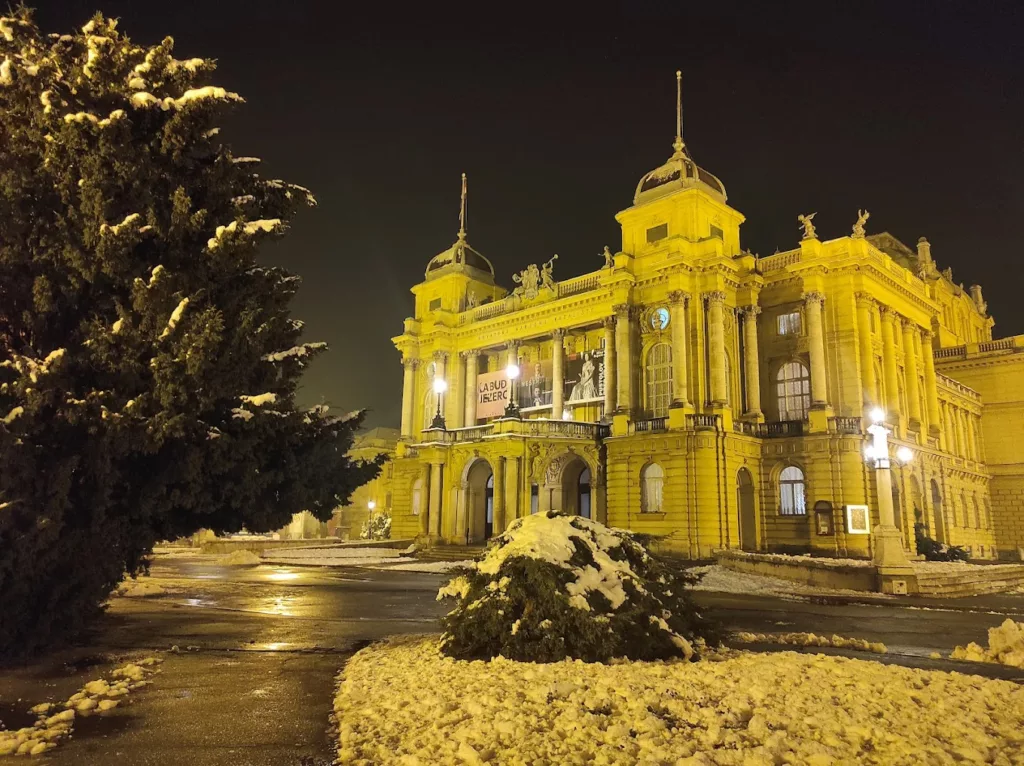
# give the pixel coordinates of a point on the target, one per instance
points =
(888, 554)
(512, 408)
(440, 386)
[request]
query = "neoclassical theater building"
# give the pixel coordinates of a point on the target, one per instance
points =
(691, 390)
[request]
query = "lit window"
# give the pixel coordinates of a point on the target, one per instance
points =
(656, 233)
(652, 484)
(659, 379)
(791, 492)
(659, 319)
(716, 232)
(788, 324)
(793, 386)
(417, 496)
(434, 304)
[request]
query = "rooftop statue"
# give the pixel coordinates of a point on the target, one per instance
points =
(858, 228)
(805, 221)
(547, 273)
(528, 280)
(609, 259)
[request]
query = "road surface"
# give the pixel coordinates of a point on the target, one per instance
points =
(251, 654)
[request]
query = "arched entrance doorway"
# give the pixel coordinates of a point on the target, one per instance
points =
(745, 504)
(479, 516)
(940, 521)
(575, 488)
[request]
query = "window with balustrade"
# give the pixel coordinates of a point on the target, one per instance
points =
(652, 485)
(658, 376)
(793, 391)
(792, 493)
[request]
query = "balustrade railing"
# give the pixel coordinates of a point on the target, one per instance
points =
(578, 285)
(701, 422)
(842, 424)
(650, 425)
(778, 262)
(470, 433)
(782, 429)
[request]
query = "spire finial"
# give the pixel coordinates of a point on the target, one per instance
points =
(462, 212)
(678, 145)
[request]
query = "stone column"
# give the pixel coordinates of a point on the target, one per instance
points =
(624, 356)
(813, 302)
(456, 392)
(751, 362)
(510, 511)
(440, 371)
(498, 502)
(931, 388)
(434, 511)
(557, 382)
(865, 305)
(972, 442)
(424, 501)
(892, 387)
(910, 371)
(408, 395)
(609, 367)
(472, 368)
(680, 363)
(716, 341)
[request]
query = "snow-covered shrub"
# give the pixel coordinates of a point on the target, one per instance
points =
(933, 550)
(554, 586)
(377, 527)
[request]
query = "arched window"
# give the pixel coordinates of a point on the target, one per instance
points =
(417, 496)
(659, 379)
(652, 484)
(429, 409)
(583, 501)
(793, 384)
(977, 512)
(792, 500)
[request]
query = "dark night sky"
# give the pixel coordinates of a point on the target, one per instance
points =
(914, 110)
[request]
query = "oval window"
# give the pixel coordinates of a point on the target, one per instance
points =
(659, 319)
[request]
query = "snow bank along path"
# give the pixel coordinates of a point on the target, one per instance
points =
(1005, 646)
(96, 697)
(405, 703)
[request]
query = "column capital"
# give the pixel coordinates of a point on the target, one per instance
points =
(679, 297)
(440, 356)
(814, 296)
(512, 345)
(927, 334)
(887, 312)
(472, 353)
(608, 323)
(410, 363)
(715, 296)
(750, 312)
(623, 310)
(865, 299)
(558, 333)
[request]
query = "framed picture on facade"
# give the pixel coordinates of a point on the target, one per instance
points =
(584, 376)
(858, 520)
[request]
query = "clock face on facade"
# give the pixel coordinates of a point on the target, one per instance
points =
(659, 319)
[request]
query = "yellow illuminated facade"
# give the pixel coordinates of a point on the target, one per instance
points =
(692, 390)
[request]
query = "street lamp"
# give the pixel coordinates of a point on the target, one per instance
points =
(371, 505)
(888, 553)
(512, 408)
(440, 386)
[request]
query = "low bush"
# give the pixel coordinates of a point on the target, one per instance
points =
(554, 586)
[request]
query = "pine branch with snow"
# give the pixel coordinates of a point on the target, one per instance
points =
(148, 363)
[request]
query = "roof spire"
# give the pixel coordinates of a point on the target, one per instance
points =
(678, 144)
(462, 212)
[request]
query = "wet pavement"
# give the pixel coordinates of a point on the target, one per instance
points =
(251, 654)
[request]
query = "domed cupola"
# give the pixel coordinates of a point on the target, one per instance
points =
(461, 257)
(680, 172)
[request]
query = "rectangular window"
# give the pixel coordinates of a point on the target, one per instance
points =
(788, 324)
(656, 233)
(716, 232)
(387, 501)
(435, 304)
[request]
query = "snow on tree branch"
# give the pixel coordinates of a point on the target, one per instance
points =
(295, 352)
(249, 228)
(175, 318)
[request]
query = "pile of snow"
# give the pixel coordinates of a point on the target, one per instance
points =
(785, 558)
(810, 639)
(554, 586)
(405, 703)
(722, 580)
(427, 566)
(139, 588)
(99, 696)
(240, 559)
(1005, 646)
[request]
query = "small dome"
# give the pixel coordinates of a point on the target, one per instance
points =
(460, 257)
(680, 172)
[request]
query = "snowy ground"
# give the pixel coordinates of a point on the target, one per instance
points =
(404, 703)
(425, 566)
(719, 579)
(336, 556)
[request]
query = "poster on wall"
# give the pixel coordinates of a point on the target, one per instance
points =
(492, 391)
(535, 385)
(858, 520)
(584, 376)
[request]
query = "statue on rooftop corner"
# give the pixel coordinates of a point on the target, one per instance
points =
(471, 300)
(806, 222)
(858, 228)
(547, 273)
(609, 259)
(528, 280)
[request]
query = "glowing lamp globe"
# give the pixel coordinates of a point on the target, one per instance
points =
(371, 505)
(904, 454)
(877, 415)
(512, 370)
(440, 385)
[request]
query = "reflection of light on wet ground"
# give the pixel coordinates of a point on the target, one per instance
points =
(282, 575)
(273, 646)
(209, 577)
(279, 606)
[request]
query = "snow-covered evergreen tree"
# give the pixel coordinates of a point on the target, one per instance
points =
(148, 365)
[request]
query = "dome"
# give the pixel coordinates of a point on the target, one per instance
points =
(680, 172)
(460, 257)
